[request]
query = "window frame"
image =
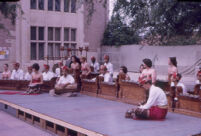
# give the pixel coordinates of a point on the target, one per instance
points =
(38, 42)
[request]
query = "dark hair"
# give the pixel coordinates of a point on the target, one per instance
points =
(148, 82)
(179, 76)
(36, 66)
(124, 69)
(6, 65)
(148, 62)
(55, 66)
(173, 61)
(76, 59)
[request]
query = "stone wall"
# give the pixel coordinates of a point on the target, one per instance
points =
(132, 56)
(7, 40)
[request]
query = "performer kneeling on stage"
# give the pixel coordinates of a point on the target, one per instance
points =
(65, 84)
(156, 107)
(36, 80)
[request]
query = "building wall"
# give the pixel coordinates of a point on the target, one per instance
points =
(86, 34)
(7, 41)
(132, 56)
(95, 28)
(44, 18)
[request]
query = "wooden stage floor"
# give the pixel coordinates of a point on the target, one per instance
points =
(104, 116)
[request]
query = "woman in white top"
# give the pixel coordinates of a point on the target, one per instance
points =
(172, 62)
(108, 64)
(6, 73)
(148, 72)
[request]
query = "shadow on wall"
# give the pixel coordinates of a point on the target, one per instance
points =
(132, 56)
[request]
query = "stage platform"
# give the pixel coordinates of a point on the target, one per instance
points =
(98, 117)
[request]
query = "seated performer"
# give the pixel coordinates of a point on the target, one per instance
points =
(156, 106)
(197, 88)
(65, 82)
(172, 62)
(47, 75)
(85, 68)
(28, 75)
(6, 73)
(108, 64)
(176, 77)
(105, 74)
(36, 80)
(141, 68)
(17, 73)
(198, 81)
(148, 73)
(94, 64)
(58, 69)
(75, 63)
(123, 72)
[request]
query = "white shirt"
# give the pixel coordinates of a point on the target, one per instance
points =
(109, 67)
(157, 97)
(65, 80)
(17, 75)
(107, 77)
(95, 66)
(48, 75)
(181, 85)
(197, 82)
(57, 72)
(27, 76)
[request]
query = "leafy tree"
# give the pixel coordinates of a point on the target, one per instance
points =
(118, 33)
(159, 20)
(8, 10)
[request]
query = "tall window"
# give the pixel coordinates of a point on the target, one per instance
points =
(73, 34)
(66, 34)
(33, 51)
(41, 33)
(33, 4)
(50, 50)
(73, 6)
(57, 5)
(33, 33)
(41, 51)
(66, 5)
(50, 33)
(37, 43)
(41, 4)
(73, 47)
(69, 40)
(57, 50)
(50, 5)
(54, 42)
(66, 46)
(57, 34)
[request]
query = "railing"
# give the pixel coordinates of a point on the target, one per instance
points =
(191, 69)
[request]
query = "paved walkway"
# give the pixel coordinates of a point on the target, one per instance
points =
(11, 126)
